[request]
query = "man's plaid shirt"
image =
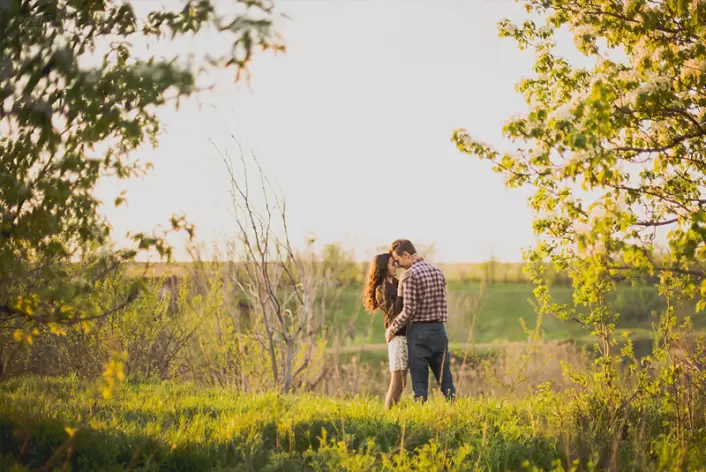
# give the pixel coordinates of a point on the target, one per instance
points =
(424, 292)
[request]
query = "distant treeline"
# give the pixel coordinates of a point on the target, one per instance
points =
(355, 272)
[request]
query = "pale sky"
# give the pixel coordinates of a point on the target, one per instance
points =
(354, 124)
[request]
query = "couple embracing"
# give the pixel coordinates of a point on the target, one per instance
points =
(415, 311)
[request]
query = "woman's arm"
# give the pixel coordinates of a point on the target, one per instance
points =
(390, 303)
(397, 305)
(409, 308)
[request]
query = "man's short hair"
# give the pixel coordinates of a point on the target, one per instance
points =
(401, 246)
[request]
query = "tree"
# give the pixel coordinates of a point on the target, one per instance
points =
(616, 151)
(285, 287)
(65, 125)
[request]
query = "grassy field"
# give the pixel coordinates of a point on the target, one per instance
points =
(48, 424)
(505, 302)
(495, 315)
(501, 311)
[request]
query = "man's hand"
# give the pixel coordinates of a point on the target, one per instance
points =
(389, 335)
(405, 276)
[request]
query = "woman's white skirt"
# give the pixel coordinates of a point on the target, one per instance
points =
(397, 353)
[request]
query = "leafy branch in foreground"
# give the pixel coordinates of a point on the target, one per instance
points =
(66, 123)
(616, 153)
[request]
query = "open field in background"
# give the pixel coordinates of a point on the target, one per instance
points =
(503, 310)
(199, 328)
(486, 321)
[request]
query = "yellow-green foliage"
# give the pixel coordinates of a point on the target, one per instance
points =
(170, 426)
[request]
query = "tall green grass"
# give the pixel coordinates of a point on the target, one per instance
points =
(170, 426)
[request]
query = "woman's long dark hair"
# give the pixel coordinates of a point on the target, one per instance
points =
(376, 275)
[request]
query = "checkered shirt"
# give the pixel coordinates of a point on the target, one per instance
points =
(424, 292)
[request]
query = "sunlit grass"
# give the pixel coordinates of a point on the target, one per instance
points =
(173, 426)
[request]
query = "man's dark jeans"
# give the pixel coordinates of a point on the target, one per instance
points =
(428, 347)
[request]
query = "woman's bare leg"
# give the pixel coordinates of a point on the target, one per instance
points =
(397, 384)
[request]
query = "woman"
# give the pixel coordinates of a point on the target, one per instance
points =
(383, 290)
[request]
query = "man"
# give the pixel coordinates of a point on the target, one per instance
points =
(424, 312)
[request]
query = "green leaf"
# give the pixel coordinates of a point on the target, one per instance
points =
(579, 141)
